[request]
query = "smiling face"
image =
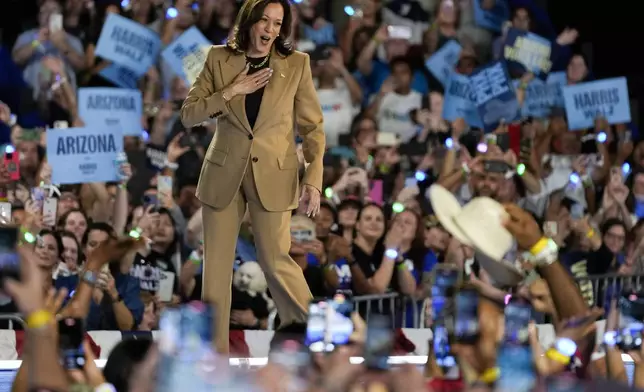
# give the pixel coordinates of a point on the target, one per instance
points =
(266, 30)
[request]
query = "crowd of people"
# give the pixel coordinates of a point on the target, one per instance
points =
(121, 254)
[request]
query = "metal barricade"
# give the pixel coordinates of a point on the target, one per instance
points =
(13, 317)
(598, 289)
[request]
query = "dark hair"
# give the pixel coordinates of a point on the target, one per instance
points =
(123, 359)
(364, 207)
(608, 223)
(63, 218)
(67, 234)
(59, 241)
(249, 14)
(100, 226)
(400, 60)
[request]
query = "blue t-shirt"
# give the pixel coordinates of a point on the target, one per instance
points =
(341, 268)
(429, 261)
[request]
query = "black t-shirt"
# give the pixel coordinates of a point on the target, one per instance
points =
(241, 300)
(150, 271)
(254, 100)
(369, 264)
(314, 276)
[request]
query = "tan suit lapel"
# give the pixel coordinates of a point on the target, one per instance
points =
(274, 89)
(230, 69)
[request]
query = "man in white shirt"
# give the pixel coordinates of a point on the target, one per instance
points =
(395, 100)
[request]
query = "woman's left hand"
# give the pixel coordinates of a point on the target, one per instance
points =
(243, 317)
(311, 196)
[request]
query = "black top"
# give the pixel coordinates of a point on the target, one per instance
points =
(253, 100)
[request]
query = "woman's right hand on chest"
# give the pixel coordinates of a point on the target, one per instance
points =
(245, 84)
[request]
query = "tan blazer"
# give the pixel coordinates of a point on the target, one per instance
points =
(289, 98)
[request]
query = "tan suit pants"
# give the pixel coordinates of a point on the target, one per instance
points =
(272, 241)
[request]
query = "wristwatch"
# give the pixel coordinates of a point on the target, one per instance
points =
(90, 277)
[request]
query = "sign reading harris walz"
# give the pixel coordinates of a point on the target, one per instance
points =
(128, 44)
(83, 155)
(527, 51)
(494, 95)
(187, 54)
(606, 98)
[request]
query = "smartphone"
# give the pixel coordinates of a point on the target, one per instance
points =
(302, 235)
(503, 141)
(518, 315)
(550, 229)
(188, 140)
(495, 166)
(9, 259)
(631, 307)
(61, 124)
(627, 137)
(379, 342)
(5, 212)
(164, 191)
(466, 327)
(292, 356)
(445, 281)
(12, 162)
(329, 323)
(577, 211)
(49, 210)
(71, 332)
(150, 200)
(589, 146)
(38, 196)
(399, 32)
(442, 348)
(316, 326)
(387, 139)
(55, 22)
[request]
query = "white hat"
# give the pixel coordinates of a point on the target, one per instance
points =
(478, 224)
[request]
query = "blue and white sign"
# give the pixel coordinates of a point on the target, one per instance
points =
(187, 54)
(494, 95)
(527, 51)
(541, 97)
(491, 19)
(128, 44)
(458, 101)
(111, 108)
(83, 155)
(444, 60)
(561, 79)
(120, 76)
(607, 98)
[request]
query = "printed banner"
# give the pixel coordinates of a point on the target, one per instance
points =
(494, 95)
(120, 76)
(527, 51)
(541, 97)
(187, 54)
(458, 101)
(155, 157)
(112, 108)
(587, 101)
(492, 19)
(83, 155)
(444, 60)
(560, 78)
(128, 44)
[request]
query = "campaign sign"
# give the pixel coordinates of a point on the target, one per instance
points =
(540, 97)
(444, 60)
(120, 76)
(527, 51)
(494, 95)
(128, 44)
(560, 79)
(187, 54)
(83, 155)
(112, 108)
(491, 19)
(606, 98)
(458, 101)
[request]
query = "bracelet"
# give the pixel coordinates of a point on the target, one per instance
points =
(491, 375)
(135, 233)
(556, 356)
(39, 319)
(539, 246)
(27, 236)
(35, 44)
(170, 165)
(590, 233)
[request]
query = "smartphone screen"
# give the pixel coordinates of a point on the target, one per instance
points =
(443, 289)
(164, 191)
(514, 357)
(316, 326)
(379, 342)
(577, 211)
(5, 211)
(503, 141)
(340, 325)
(399, 32)
(150, 200)
(12, 163)
(49, 210)
(442, 348)
(495, 167)
(467, 320)
(9, 259)
(71, 333)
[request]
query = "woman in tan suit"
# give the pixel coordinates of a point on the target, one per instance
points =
(258, 88)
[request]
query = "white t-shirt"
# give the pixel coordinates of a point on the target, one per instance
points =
(338, 111)
(393, 114)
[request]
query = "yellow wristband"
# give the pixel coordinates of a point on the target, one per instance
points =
(491, 375)
(558, 357)
(590, 233)
(39, 319)
(35, 43)
(539, 246)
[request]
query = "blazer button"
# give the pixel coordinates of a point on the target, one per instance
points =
(250, 137)
(255, 159)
